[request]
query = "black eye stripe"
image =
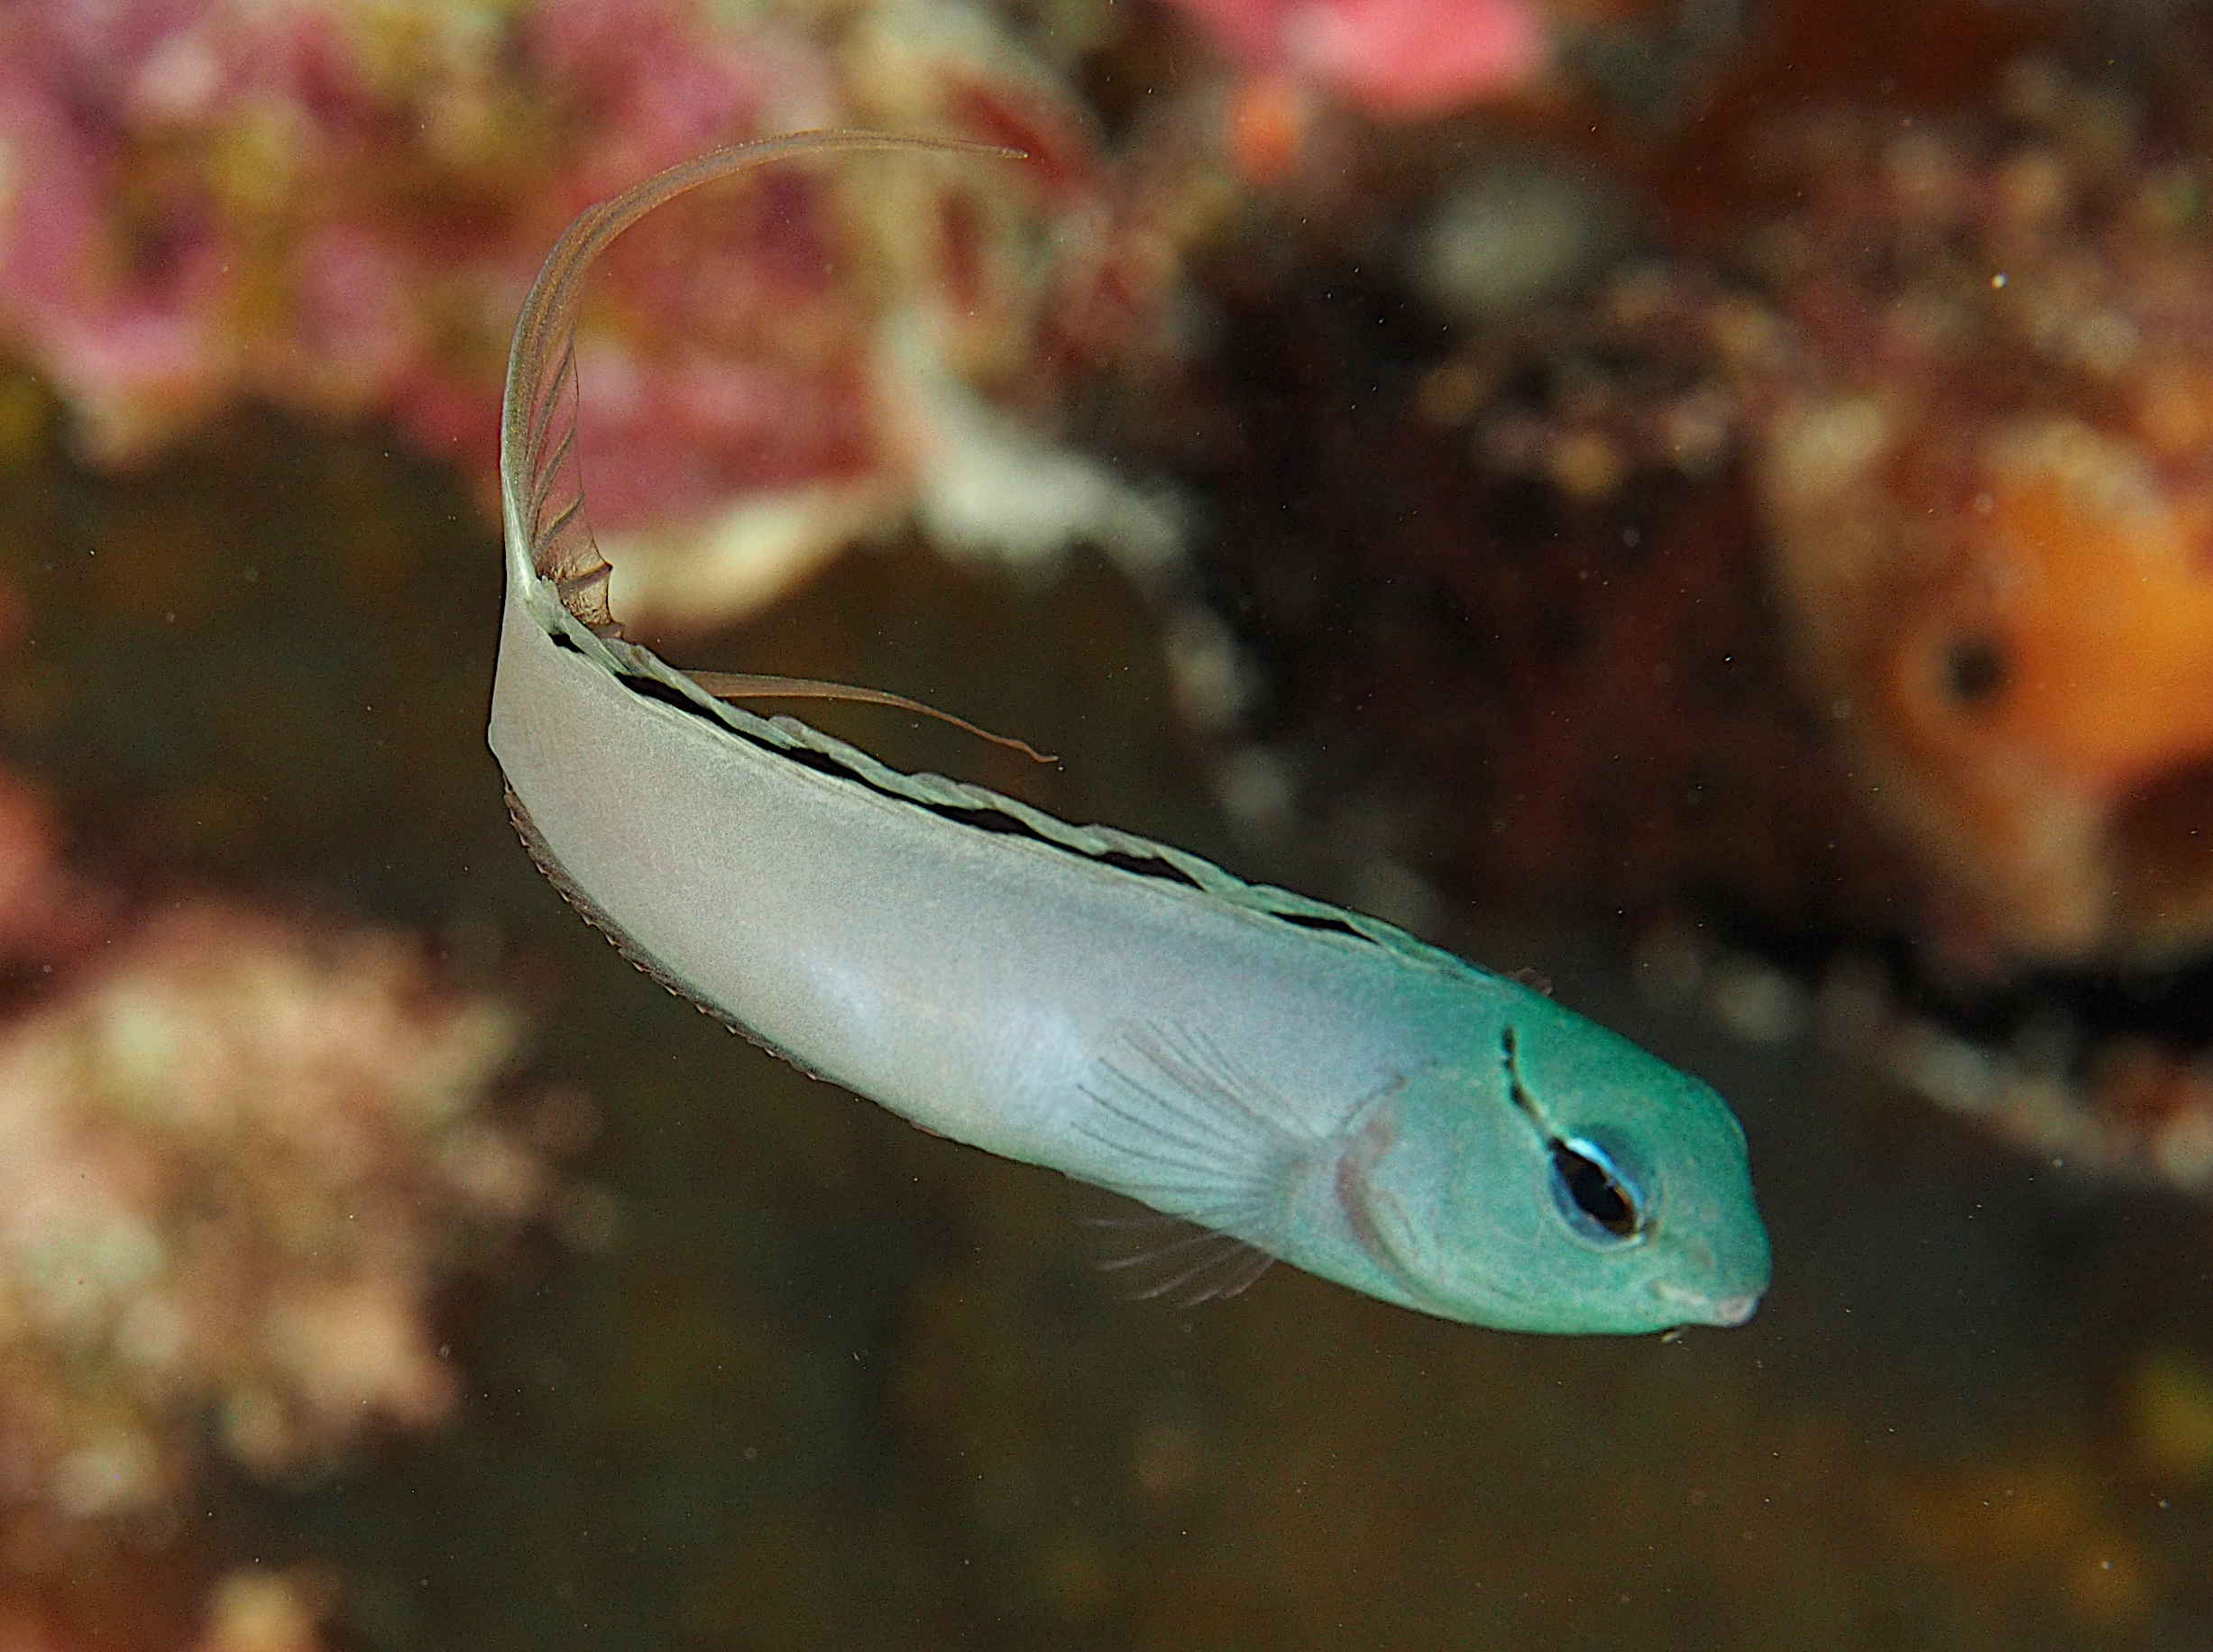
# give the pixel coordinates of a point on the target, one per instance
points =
(1509, 1048)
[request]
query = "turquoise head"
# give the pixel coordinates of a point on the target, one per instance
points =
(1544, 1174)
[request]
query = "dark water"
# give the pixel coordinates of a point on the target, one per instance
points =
(839, 1383)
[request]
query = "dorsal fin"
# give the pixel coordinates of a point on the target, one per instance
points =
(746, 686)
(549, 541)
(541, 493)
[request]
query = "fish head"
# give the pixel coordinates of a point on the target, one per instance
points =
(1544, 1174)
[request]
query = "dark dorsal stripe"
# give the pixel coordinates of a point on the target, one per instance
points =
(976, 818)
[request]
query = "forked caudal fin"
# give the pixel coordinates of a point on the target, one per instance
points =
(541, 494)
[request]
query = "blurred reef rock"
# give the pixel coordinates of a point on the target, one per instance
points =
(242, 1156)
(1966, 374)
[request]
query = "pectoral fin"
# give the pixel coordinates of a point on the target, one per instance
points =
(1190, 1134)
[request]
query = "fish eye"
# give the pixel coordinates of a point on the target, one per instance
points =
(1599, 1202)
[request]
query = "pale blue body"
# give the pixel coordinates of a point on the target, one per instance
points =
(1331, 1091)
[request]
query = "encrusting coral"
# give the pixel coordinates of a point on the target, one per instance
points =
(1966, 369)
(240, 1154)
(235, 1162)
(336, 207)
(1987, 473)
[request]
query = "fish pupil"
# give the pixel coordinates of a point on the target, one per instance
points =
(1592, 1189)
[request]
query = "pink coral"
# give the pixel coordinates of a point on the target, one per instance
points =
(1400, 57)
(108, 326)
(337, 208)
(1397, 59)
(213, 200)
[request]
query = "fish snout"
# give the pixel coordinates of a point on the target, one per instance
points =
(1701, 1307)
(1732, 1310)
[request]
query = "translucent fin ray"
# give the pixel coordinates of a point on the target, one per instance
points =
(1194, 1137)
(1198, 1264)
(741, 686)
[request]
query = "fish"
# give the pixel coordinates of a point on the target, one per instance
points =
(1311, 1083)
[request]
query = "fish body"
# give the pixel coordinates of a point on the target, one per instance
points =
(1315, 1083)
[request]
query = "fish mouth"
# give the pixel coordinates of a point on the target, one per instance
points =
(1732, 1310)
(1700, 1307)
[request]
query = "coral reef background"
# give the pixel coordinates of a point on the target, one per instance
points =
(387, 1265)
